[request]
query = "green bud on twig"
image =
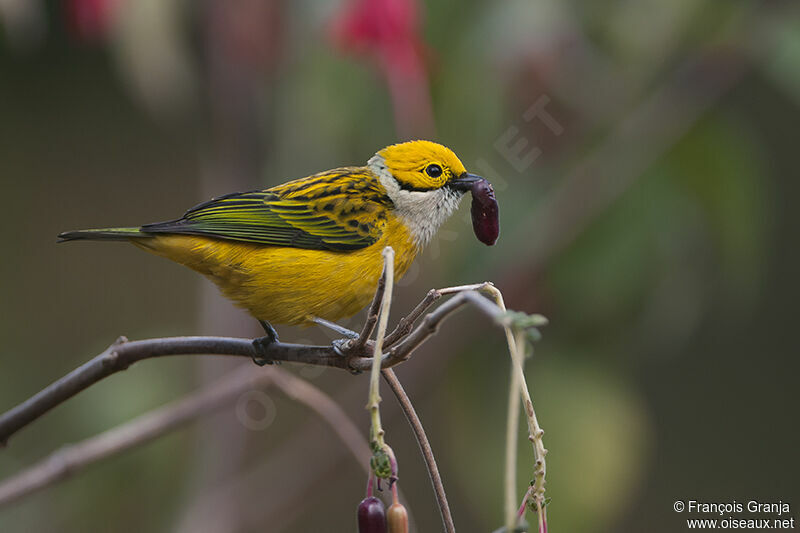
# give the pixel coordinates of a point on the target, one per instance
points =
(520, 320)
(533, 334)
(532, 504)
(381, 464)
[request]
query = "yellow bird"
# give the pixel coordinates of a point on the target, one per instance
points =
(311, 248)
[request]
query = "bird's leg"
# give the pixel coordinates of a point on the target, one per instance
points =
(341, 330)
(340, 346)
(262, 343)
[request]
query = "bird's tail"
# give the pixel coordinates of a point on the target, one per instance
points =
(105, 234)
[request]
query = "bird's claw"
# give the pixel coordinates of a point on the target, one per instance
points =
(342, 346)
(261, 345)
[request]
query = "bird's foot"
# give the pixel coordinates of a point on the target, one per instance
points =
(351, 350)
(342, 346)
(261, 345)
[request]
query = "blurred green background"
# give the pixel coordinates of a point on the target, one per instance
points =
(649, 213)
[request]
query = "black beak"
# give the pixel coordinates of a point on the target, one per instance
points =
(464, 182)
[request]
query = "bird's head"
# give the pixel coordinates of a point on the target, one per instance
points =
(425, 181)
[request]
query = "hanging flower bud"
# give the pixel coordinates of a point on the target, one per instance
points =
(371, 516)
(397, 517)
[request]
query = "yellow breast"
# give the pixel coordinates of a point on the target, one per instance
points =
(287, 285)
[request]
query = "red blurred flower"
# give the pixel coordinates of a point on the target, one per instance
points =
(389, 31)
(89, 20)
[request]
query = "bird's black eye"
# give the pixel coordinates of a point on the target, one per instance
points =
(433, 170)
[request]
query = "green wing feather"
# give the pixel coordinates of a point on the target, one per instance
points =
(339, 210)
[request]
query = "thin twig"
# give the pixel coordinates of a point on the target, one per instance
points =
(402, 350)
(372, 314)
(407, 322)
(524, 503)
(373, 402)
(516, 347)
(512, 432)
(424, 446)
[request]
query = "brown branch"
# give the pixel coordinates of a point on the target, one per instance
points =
(124, 353)
(424, 447)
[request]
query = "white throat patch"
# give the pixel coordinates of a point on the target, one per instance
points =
(423, 211)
